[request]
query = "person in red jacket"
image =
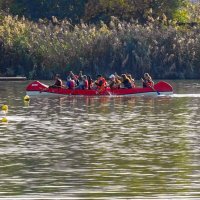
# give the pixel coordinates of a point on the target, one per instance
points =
(100, 83)
(85, 83)
(147, 81)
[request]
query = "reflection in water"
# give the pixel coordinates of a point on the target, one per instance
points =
(108, 147)
(186, 95)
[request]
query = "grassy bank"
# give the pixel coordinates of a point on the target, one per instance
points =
(38, 50)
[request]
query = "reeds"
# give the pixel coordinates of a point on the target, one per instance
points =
(38, 50)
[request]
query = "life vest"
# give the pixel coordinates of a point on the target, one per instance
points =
(101, 84)
(86, 84)
(76, 79)
(71, 84)
(89, 84)
(132, 83)
(148, 83)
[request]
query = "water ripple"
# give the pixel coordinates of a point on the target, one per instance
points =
(100, 148)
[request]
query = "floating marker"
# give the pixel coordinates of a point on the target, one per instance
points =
(4, 108)
(26, 98)
(4, 120)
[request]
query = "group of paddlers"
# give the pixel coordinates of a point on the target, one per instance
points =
(115, 81)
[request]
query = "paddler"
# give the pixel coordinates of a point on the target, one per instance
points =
(58, 82)
(114, 83)
(147, 81)
(100, 83)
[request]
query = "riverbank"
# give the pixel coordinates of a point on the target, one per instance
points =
(40, 50)
(13, 78)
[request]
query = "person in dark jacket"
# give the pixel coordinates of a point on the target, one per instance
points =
(58, 82)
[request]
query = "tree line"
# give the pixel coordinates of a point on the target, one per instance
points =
(91, 11)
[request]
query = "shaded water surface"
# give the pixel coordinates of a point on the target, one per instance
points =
(101, 148)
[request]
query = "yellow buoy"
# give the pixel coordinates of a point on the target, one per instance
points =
(26, 98)
(4, 120)
(4, 108)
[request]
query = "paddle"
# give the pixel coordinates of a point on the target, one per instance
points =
(148, 85)
(154, 89)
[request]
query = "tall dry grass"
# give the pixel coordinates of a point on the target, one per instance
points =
(38, 50)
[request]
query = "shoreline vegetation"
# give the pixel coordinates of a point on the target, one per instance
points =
(39, 50)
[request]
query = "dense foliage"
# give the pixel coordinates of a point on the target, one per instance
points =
(90, 10)
(151, 42)
(71, 9)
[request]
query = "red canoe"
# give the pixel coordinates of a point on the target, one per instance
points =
(38, 88)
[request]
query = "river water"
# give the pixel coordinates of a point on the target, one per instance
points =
(101, 147)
